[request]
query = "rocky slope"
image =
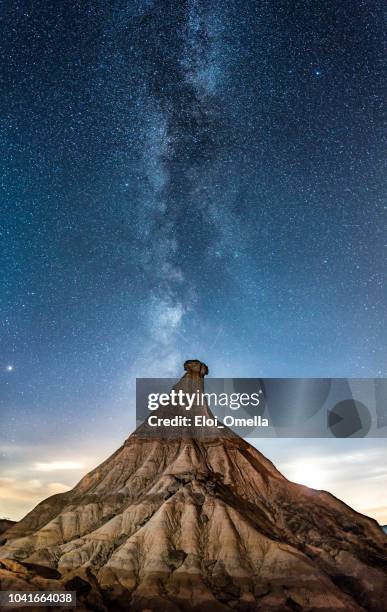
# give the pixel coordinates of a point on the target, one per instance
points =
(5, 524)
(198, 523)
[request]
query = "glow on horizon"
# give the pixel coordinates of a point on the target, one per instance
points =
(353, 470)
(308, 474)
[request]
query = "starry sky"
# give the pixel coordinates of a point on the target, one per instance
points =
(183, 180)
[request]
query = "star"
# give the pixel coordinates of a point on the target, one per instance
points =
(9, 368)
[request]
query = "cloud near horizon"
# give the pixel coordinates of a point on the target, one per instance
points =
(55, 466)
(19, 496)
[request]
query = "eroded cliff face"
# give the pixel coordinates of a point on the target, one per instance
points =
(198, 523)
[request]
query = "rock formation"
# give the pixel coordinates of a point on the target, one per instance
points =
(5, 524)
(198, 523)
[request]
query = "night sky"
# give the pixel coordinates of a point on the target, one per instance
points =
(181, 179)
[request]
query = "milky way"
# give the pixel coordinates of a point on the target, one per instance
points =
(185, 179)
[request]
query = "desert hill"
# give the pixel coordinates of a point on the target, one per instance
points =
(198, 523)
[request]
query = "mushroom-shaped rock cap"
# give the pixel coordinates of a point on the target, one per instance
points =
(195, 366)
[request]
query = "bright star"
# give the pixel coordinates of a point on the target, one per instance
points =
(9, 368)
